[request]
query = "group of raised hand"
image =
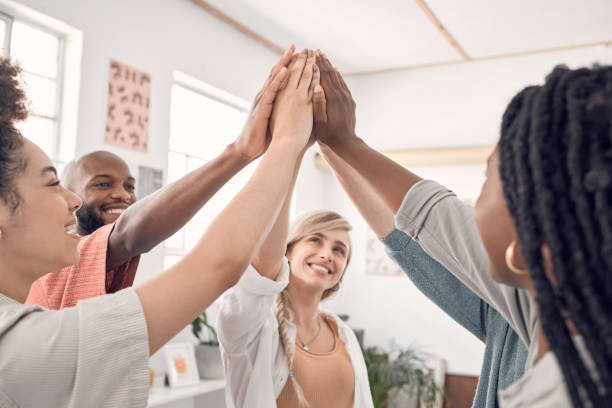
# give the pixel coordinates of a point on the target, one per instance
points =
(303, 100)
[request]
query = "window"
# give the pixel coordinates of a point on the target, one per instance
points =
(203, 120)
(39, 52)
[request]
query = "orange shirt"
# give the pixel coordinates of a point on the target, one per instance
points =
(327, 379)
(87, 279)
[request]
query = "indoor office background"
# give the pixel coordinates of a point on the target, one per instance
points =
(417, 96)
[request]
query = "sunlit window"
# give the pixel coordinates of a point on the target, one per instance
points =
(38, 53)
(201, 126)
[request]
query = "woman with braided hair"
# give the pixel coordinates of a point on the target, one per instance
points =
(545, 218)
(279, 347)
(549, 184)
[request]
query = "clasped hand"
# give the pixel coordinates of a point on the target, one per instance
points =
(303, 99)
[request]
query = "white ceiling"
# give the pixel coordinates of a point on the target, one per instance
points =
(361, 36)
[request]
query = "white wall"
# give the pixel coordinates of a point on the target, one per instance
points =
(458, 105)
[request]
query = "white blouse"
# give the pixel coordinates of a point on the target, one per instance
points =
(256, 368)
(93, 354)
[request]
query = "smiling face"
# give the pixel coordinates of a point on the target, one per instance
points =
(107, 188)
(318, 260)
(38, 236)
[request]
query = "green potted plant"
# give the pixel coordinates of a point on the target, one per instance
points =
(404, 370)
(208, 354)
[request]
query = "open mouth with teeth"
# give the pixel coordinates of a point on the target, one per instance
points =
(320, 268)
(114, 211)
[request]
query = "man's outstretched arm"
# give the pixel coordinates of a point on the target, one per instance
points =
(155, 218)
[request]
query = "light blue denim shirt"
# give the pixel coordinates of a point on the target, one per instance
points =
(505, 353)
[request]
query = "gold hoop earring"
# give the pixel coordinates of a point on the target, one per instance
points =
(510, 256)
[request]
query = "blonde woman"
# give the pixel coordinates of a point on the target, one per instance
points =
(279, 348)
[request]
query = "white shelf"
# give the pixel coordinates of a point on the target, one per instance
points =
(163, 395)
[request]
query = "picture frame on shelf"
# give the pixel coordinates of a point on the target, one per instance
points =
(181, 364)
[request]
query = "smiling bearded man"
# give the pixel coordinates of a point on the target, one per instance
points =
(106, 186)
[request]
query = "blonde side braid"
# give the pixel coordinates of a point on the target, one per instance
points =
(284, 315)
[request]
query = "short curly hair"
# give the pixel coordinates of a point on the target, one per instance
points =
(13, 108)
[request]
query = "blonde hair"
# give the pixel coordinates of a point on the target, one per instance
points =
(306, 224)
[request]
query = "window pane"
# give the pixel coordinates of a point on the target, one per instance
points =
(170, 260)
(177, 240)
(36, 50)
(177, 166)
(194, 162)
(41, 92)
(2, 37)
(206, 213)
(39, 131)
(193, 233)
(201, 126)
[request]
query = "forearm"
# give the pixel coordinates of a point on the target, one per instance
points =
(371, 207)
(390, 180)
(223, 253)
(268, 261)
(156, 217)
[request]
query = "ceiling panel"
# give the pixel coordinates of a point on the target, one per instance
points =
(358, 35)
(486, 27)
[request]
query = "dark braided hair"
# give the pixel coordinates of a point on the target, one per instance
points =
(556, 169)
(13, 107)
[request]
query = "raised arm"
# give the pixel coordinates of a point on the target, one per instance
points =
(151, 220)
(268, 261)
(431, 278)
(390, 180)
(178, 295)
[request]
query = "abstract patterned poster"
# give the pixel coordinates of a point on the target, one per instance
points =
(127, 120)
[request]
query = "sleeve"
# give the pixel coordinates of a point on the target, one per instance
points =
(445, 228)
(438, 284)
(244, 308)
(97, 351)
(122, 276)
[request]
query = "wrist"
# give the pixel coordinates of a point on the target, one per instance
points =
(237, 155)
(340, 145)
(286, 146)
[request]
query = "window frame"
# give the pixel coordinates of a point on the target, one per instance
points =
(64, 108)
(218, 95)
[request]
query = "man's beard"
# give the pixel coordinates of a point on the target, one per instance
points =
(88, 219)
